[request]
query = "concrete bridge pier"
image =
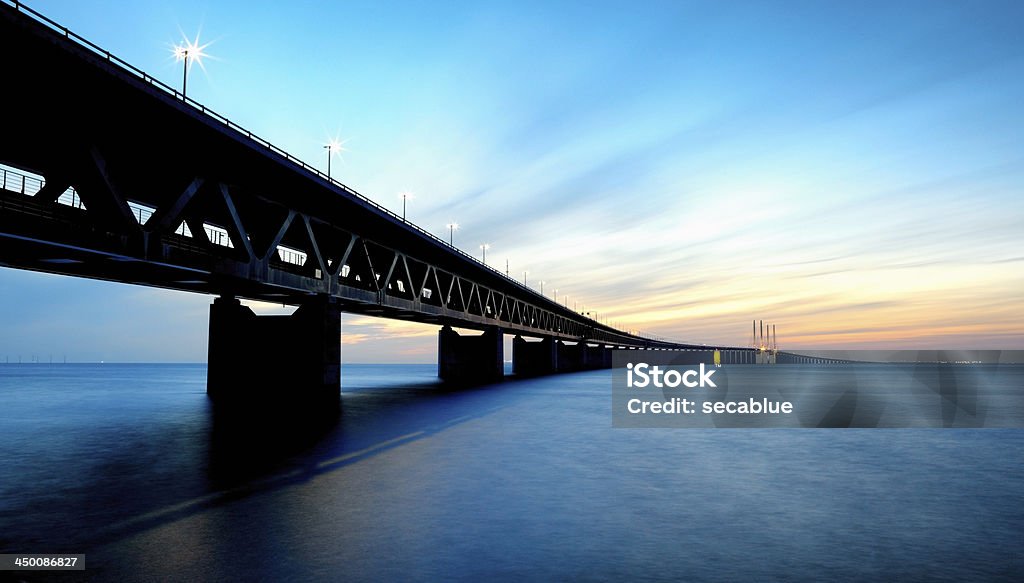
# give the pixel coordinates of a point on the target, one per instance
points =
(286, 358)
(597, 357)
(550, 356)
(534, 358)
(571, 357)
(470, 359)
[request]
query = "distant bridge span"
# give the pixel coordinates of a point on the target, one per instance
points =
(166, 193)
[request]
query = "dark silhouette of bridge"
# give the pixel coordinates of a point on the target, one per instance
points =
(125, 179)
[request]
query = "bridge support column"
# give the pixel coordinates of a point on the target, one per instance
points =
(470, 359)
(292, 357)
(571, 357)
(596, 357)
(534, 358)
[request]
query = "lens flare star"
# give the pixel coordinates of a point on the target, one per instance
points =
(190, 52)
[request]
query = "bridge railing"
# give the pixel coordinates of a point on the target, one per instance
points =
(21, 183)
(156, 83)
(17, 182)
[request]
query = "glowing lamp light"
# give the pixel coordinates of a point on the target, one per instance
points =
(189, 52)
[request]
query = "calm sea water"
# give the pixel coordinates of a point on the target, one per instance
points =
(525, 480)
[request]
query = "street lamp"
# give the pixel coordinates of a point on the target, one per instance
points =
(542, 287)
(524, 276)
(451, 232)
(332, 147)
(404, 196)
(484, 248)
(189, 52)
(181, 54)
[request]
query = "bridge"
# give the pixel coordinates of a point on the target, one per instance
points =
(111, 174)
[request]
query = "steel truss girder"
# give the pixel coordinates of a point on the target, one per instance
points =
(472, 304)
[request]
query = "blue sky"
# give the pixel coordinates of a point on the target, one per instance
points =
(850, 171)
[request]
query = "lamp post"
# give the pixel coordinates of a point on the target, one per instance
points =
(188, 52)
(484, 249)
(332, 147)
(404, 196)
(184, 72)
(451, 232)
